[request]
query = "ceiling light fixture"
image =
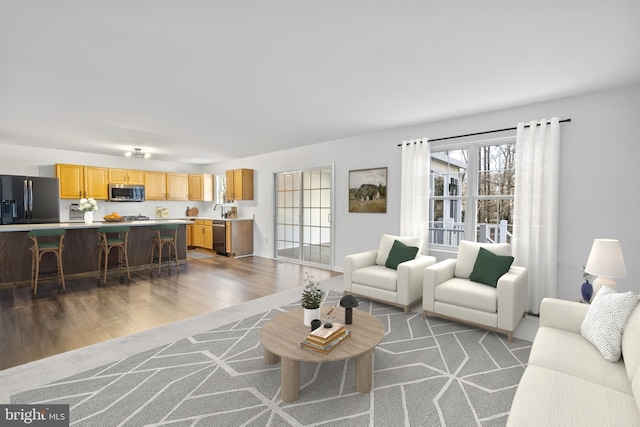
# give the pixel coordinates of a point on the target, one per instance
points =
(137, 152)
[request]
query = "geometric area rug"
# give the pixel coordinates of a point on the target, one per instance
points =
(432, 372)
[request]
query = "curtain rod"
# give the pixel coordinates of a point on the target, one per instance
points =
(483, 133)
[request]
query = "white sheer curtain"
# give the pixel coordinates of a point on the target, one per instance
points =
(535, 217)
(414, 194)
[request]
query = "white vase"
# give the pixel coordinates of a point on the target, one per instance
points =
(310, 314)
(88, 217)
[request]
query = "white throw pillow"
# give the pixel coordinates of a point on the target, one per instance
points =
(386, 242)
(605, 321)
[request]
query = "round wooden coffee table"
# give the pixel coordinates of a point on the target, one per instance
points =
(282, 335)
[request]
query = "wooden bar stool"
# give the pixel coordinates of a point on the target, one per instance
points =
(164, 234)
(46, 241)
(109, 238)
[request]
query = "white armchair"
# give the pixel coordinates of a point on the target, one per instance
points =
(366, 273)
(449, 293)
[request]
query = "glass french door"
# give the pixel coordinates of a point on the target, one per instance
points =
(303, 216)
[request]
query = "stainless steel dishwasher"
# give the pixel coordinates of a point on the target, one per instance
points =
(219, 237)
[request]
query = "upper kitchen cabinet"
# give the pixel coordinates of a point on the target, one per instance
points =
(166, 186)
(177, 186)
(126, 176)
(240, 184)
(78, 181)
(155, 185)
(201, 187)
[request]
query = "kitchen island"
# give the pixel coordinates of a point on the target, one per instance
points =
(80, 254)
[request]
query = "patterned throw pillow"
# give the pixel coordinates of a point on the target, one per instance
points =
(605, 321)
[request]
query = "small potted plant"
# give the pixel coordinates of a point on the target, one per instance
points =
(311, 300)
(88, 206)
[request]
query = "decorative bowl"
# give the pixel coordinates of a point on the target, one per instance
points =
(107, 219)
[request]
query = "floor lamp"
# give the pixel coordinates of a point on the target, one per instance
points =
(606, 262)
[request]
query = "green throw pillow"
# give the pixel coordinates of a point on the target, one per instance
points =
(489, 267)
(400, 253)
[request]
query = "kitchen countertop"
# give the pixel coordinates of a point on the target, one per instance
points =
(216, 218)
(95, 224)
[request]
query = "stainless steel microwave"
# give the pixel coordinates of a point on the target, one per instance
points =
(126, 193)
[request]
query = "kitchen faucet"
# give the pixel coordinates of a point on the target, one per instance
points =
(221, 208)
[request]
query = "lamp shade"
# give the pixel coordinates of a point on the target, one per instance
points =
(605, 259)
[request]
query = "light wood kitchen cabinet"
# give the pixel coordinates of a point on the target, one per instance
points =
(96, 182)
(126, 176)
(189, 231)
(203, 233)
(198, 233)
(229, 194)
(71, 179)
(155, 185)
(78, 181)
(201, 187)
(177, 186)
(240, 184)
(208, 235)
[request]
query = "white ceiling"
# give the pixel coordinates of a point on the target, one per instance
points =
(211, 80)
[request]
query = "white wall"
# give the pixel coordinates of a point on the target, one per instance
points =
(598, 189)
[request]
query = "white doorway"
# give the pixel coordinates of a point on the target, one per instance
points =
(303, 225)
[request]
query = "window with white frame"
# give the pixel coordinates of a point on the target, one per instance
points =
(472, 189)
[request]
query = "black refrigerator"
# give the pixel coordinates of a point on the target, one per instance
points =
(29, 200)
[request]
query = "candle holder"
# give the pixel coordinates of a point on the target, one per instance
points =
(328, 319)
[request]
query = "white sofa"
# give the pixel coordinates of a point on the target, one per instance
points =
(569, 383)
(365, 274)
(449, 293)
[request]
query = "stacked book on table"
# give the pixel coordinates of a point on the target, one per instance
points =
(326, 339)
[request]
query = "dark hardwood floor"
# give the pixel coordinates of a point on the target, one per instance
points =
(55, 322)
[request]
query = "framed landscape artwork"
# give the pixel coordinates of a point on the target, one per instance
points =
(368, 190)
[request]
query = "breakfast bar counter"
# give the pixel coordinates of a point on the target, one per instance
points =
(80, 254)
(95, 224)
